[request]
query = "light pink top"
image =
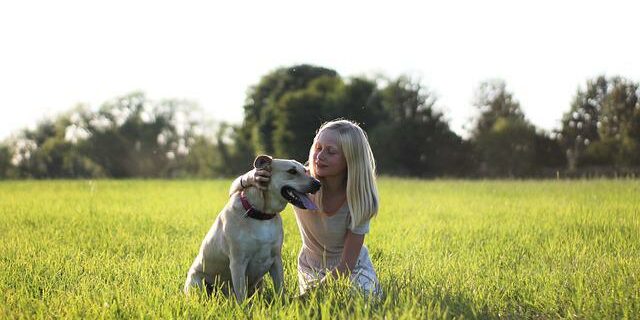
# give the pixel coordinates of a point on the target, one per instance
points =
(322, 235)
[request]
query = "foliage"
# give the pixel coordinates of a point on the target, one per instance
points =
(261, 111)
(548, 152)
(234, 148)
(603, 125)
(504, 139)
(128, 136)
(133, 136)
(5, 161)
(494, 103)
(413, 138)
(300, 113)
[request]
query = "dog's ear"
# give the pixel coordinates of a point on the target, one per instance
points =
(262, 161)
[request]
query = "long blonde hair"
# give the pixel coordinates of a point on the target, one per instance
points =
(362, 191)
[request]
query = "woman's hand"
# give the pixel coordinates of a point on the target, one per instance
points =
(258, 178)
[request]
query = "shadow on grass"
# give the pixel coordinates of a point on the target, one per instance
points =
(338, 302)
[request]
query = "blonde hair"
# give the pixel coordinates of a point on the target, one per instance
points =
(362, 192)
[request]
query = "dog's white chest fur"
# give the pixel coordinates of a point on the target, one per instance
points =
(253, 243)
(259, 247)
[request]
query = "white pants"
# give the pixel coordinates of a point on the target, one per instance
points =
(312, 269)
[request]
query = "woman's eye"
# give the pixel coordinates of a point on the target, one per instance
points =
(292, 171)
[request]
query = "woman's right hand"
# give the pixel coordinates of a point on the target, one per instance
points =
(258, 178)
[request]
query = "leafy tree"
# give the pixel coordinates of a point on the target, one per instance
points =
(5, 161)
(236, 153)
(39, 152)
(580, 124)
(301, 112)
(298, 113)
(620, 121)
(494, 102)
(548, 152)
(260, 106)
(602, 126)
(507, 149)
(503, 138)
(284, 110)
(129, 136)
(360, 100)
(132, 136)
(412, 138)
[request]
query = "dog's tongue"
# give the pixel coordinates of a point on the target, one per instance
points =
(306, 201)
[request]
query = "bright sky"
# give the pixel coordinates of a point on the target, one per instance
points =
(55, 54)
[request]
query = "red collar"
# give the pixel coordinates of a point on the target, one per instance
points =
(253, 212)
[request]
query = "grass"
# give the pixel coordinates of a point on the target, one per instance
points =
(442, 249)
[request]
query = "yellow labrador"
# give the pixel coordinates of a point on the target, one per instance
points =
(245, 240)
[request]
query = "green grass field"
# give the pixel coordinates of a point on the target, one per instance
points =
(442, 249)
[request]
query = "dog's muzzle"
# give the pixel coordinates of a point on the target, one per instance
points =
(300, 199)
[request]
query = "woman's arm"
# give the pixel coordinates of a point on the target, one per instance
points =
(237, 185)
(352, 246)
(254, 178)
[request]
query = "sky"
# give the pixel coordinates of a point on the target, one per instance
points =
(56, 54)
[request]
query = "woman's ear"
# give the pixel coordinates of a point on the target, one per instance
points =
(262, 161)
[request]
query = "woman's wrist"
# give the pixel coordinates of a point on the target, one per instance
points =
(244, 181)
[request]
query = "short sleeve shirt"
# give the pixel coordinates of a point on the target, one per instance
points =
(323, 235)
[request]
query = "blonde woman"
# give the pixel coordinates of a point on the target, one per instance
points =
(333, 236)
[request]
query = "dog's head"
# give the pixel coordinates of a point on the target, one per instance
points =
(290, 179)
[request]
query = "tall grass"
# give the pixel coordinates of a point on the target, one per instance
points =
(442, 249)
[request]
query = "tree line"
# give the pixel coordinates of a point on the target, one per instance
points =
(133, 136)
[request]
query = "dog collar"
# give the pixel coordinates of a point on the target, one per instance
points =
(253, 212)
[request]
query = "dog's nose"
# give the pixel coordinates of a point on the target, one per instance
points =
(315, 185)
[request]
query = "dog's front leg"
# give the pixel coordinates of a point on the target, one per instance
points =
(277, 275)
(238, 277)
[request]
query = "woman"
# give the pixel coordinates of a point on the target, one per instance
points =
(333, 236)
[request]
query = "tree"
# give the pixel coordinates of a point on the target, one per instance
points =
(580, 124)
(261, 103)
(507, 149)
(494, 102)
(236, 152)
(603, 125)
(284, 110)
(504, 140)
(301, 112)
(360, 100)
(38, 152)
(133, 136)
(128, 136)
(5, 161)
(620, 121)
(548, 152)
(412, 138)
(293, 117)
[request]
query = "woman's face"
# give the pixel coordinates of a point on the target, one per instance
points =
(327, 157)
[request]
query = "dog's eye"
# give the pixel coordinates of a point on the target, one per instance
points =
(292, 171)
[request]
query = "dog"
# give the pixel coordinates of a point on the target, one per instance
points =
(245, 243)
